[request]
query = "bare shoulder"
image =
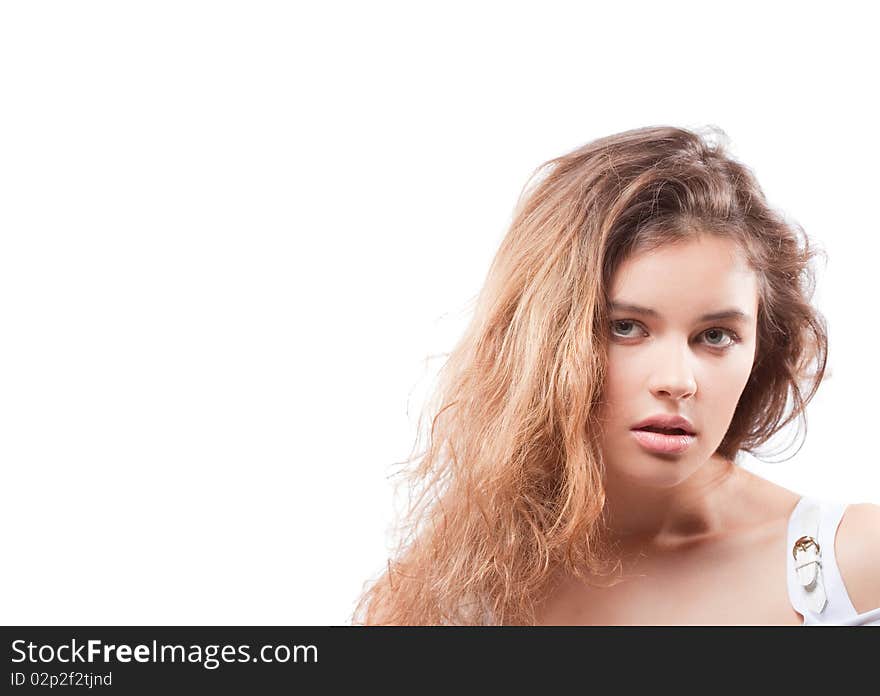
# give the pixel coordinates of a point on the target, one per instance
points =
(857, 550)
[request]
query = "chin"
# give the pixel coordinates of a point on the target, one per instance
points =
(652, 470)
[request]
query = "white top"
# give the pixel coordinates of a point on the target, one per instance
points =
(819, 519)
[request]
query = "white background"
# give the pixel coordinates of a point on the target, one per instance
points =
(233, 234)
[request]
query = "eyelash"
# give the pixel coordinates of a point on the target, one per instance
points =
(733, 335)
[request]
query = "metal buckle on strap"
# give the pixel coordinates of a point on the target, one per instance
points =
(808, 561)
(808, 557)
(803, 544)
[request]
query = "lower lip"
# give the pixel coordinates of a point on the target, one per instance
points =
(661, 443)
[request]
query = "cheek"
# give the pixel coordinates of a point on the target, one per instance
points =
(722, 392)
(621, 387)
(735, 373)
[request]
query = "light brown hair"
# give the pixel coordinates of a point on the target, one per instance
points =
(508, 488)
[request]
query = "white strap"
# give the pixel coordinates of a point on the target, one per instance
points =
(808, 556)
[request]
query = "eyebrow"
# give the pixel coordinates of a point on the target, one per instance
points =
(734, 314)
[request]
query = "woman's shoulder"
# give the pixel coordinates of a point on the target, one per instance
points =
(857, 552)
(856, 538)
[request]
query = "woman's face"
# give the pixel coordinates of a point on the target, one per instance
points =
(673, 361)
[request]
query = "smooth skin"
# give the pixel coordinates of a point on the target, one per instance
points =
(704, 538)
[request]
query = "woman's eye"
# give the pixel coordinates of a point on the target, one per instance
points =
(721, 333)
(624, 323)
(714, 337)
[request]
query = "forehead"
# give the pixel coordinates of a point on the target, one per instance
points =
(705, 272)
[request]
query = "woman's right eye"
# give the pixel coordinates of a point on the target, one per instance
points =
(625, 323)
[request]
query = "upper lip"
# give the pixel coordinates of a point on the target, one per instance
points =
(662, 420)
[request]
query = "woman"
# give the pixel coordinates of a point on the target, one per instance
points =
(644, 285)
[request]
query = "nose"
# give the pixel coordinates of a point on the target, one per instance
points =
(675, 391)
(673, 376)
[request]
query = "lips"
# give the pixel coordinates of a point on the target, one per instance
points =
(663, 423)
(665, 431)
(660, 443)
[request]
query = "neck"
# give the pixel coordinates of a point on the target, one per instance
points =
(694, 511)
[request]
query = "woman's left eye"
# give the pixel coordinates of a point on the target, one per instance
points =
(733, 336)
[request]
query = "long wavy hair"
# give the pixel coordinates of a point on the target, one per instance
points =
(506, 487)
